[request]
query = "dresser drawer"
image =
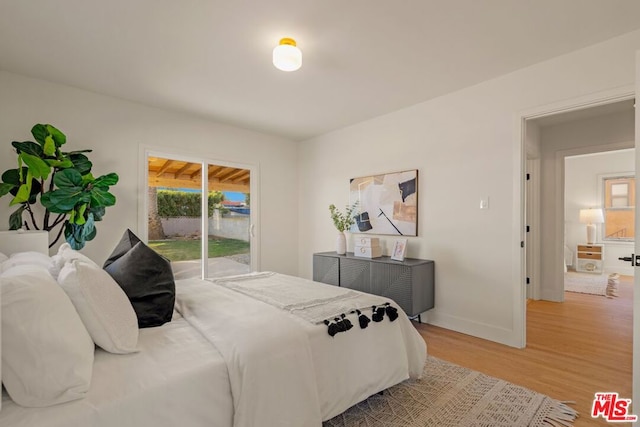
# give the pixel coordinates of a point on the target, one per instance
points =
(589, 255)
(589, 248)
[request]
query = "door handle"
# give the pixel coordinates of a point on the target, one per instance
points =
(633, 259)
(252, 230)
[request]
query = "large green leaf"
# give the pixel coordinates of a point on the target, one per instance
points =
(15, 220)
(78, 235)
(12, 176)
(81, 163)
(58, 137)
(40, 132)
(97, 212)
(28, 147)
(38, 167)
(22, 196)
(101, 197)
(49, 146)
(64, 200)
(63, 163)
(68, 178)
(5, 188)
(106, 180)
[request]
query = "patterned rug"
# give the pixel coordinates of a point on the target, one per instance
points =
(585, 283)
(449, 395)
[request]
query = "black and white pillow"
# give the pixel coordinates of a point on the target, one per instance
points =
(146, 278)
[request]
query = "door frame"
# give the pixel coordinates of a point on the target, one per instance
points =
(518, 256)
(147, 151)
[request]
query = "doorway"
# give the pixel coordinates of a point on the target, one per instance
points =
(199, 214)
(603, 128)
(599, 114)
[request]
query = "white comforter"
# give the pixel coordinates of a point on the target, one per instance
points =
(287, 371)
(292, 373)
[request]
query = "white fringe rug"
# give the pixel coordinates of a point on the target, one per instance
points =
(585, 283)
(449, 395)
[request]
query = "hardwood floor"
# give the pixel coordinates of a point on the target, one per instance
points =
(574, 349)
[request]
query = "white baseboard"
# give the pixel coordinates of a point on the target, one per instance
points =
(469, 327)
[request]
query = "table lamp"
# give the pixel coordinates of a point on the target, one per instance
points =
(591, 217)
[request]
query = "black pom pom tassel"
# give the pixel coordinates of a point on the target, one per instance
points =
(392, 312)
(346, 322)
(363, 319)
(378, 314)
(332, 328)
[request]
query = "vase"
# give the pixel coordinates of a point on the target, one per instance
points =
(341, 244)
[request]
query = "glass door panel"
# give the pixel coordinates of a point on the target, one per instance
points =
(229, 222)
(174, 227)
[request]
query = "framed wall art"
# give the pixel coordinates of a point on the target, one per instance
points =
(387, 203)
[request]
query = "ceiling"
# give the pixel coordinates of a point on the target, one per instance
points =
(168, 173)
(361, 58)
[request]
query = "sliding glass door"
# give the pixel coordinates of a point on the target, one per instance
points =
(202, 222)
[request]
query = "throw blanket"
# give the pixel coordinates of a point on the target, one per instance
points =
(314, 302)
(261, 348)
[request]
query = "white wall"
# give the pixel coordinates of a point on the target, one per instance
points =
(115, 129)
(583, 176)
(464, 145)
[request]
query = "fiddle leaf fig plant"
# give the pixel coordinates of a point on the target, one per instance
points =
(63, 184)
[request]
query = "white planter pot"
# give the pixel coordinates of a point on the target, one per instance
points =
(341, 244)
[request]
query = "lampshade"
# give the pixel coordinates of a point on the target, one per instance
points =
(287, 56)
(591, 216)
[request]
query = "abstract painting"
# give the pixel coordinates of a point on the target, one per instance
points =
(387, 203)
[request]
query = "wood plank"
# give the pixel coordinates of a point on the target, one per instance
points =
(574, 349)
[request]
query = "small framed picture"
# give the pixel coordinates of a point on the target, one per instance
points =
(399, 249)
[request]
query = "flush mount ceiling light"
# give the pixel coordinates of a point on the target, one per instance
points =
(287, 56)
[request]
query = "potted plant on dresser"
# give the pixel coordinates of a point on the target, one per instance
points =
(343, 222)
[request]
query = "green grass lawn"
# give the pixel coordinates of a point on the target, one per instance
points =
(183, 250)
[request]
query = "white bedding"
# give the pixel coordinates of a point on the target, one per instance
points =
(187, 369)
(177, 378)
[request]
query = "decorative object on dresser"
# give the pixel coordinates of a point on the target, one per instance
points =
(388, 203)
(591, 217)
(64, 184)
(590, 258)
(399, 250)
(342, 222)
(409, 283)
(367, 247)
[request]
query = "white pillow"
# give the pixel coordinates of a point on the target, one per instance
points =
(65, 253)
(3, 257)
(102, 305)
(47, 354)
(26, 258)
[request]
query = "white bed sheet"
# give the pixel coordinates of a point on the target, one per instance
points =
(177, 378)
(347, 368)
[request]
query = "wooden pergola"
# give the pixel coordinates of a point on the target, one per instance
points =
(179, 174)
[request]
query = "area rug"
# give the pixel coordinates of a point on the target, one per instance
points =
(585, 283)
(449, 395)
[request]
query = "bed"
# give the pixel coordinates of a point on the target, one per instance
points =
(236, 356)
